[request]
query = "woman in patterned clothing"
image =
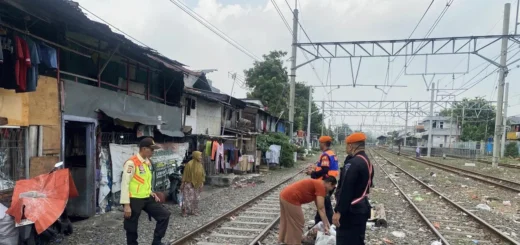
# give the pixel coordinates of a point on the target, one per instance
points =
(192, 182)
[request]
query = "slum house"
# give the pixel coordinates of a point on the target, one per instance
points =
(263, 122)
(88, 97)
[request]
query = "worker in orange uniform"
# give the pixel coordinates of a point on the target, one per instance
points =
(292, 197)
(352, 207)
(137, 195)
(326, 166)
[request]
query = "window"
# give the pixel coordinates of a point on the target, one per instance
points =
(434, 125)
(12, 157)
(187, 107)
(441, 125)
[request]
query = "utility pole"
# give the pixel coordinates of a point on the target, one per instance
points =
(451, 126)
(293, 69)
(406, 124)
(309, 114)
(503, 148)
(430, 140)
(462, 123)
(501, 84)
(323, 116)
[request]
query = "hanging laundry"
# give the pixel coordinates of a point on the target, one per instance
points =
(32, 70)
(273, 154)
(7, 64)
(220, 157)
(214, 148)
(207, 150)
(48, 56)
(23, 62)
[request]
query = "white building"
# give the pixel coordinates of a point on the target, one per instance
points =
(444, 133)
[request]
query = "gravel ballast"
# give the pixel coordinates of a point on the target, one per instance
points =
(504, 205)
(108, 228)
(400, 217)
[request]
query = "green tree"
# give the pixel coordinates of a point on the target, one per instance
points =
(268, 80)
(476, 117)
(301, 104)
(511, 150)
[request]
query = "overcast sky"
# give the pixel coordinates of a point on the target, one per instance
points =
(256, 25)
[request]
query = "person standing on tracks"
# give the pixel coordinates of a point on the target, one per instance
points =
(292, 197)
(417, 152)
(137, 195)
(352, 209)
(327, 165)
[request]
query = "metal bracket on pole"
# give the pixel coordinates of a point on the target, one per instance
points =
(307, 62)
(488, 60)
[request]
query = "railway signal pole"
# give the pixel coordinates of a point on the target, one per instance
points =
(501, 84)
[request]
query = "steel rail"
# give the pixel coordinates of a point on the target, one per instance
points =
(487, 162)
(428, 223)
(183, 240)
(467, 212)
(468, 173)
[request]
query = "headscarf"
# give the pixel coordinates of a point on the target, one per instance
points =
(194, 171)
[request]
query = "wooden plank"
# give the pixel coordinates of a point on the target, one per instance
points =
(266, 213)
(42, 165)
(249, 223)
(3, 121)
(44, 108)
(257, 217)
(238, 229)
(51, 140)
(212, 243)
(261, 208)
(232, 236)
(15, 107)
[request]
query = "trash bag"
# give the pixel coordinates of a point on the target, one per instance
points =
(8, 232)
(311, 236)
(323, 239)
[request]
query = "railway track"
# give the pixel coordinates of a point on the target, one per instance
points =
(505, 165)
(248, 223)
(499, 182)
(450, 222)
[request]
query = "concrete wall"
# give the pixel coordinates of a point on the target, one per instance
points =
(209, 115)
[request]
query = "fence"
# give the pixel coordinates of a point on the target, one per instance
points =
(12, 156)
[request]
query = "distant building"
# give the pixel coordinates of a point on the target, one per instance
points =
(444, 133)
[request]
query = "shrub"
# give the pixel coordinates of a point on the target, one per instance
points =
(511, 150)
(286, 155)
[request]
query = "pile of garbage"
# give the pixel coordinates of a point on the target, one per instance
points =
(317, 236)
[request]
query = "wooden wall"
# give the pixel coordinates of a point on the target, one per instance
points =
(39, 108)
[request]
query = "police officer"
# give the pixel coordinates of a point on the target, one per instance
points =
(327, 165)
(352, 207)
(137, 195)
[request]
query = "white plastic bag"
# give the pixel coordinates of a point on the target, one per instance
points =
(323, 239)
(8, 232)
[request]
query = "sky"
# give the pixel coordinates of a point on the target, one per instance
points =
(256, 25)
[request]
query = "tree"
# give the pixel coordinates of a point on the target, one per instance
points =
(268, 80)
(301, 104)
(476, 117)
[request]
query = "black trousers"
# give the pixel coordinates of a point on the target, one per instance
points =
(154, 210)
(328, 210)
(351, 235)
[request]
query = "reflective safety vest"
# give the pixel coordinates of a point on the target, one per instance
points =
(141, 184)
(333, 163)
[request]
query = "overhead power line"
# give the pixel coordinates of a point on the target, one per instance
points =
(106, 22)
(214, 29)
(282, 16)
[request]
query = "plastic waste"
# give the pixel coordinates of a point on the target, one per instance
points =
(436, 243)
(418, 198)
(398, 234)
(506, 203)
(483, 207)
(323, 239)
(8, 231)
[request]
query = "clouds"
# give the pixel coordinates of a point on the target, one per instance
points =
(256, 25)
